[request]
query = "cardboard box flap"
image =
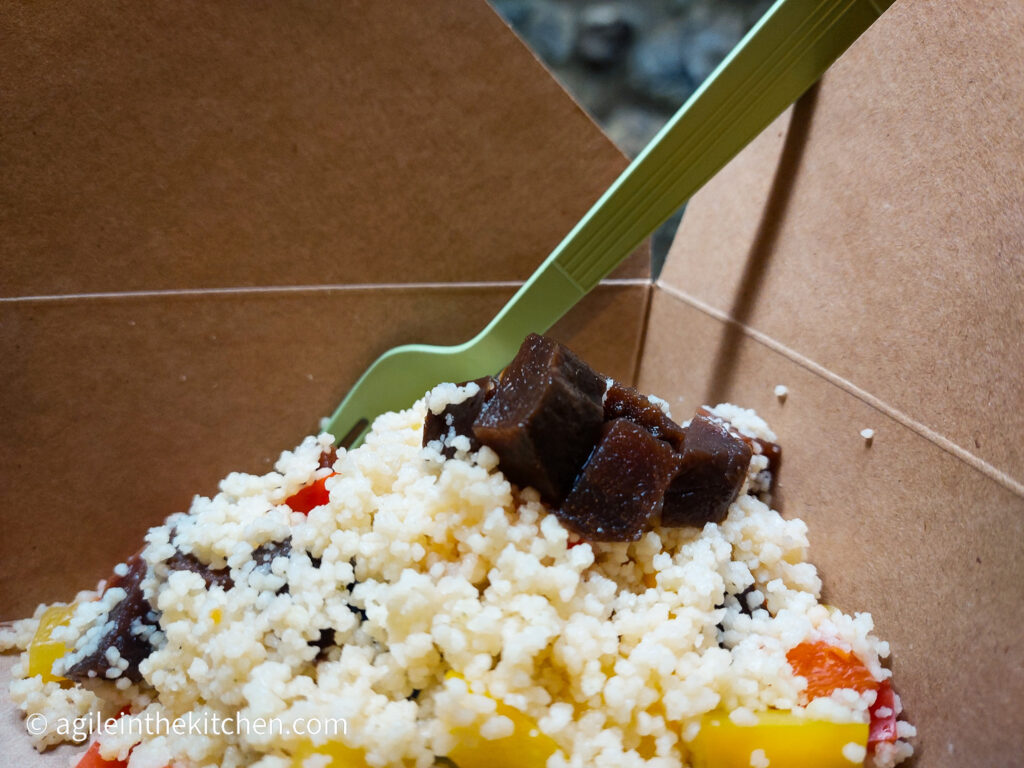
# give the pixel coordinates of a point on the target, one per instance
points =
(182, 146)
(881, 235)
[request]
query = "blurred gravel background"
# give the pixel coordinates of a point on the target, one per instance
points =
(631, 65)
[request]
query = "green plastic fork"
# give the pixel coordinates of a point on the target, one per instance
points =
(780, 58)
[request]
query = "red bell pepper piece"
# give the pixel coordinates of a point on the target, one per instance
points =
(313, 495)
(92, 759)
(883, 727)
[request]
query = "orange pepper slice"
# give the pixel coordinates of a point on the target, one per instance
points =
(828, 668)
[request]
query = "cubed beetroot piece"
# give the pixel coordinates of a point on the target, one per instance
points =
(265, 554)
(460, 417)
(774, 453)
(127, 628)
(544, 417)
(181, 561)
(712, 467)
(759, 446)
(622, 402)
(772, 450)
(620, 492)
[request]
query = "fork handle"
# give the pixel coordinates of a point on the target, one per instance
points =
(779, 58)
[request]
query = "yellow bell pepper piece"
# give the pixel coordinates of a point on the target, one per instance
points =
(42, 650)
(342, 756)
(525, 747)
(785, 740)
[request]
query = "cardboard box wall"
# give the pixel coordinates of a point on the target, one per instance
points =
(215, 217)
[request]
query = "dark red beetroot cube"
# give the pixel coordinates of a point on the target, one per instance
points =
(121, 629)
(712, 468)
(622, 402)
(544, 418)
(759, 446)
(181, 561)
(460, 418)
(620, 492)
(772, 450)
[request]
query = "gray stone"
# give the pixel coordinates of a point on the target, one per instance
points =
(658, 66)
(550, 30)
(707, 47)
(606, 32)
(598, 93)
(677, 56)
(756, 10)
(514, 12)
(632, 128)
(727, 17)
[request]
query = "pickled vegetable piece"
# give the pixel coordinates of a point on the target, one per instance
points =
(129, 623)
(622, 402)
(458, 419)
(42, 650)
(784, 740)
(620, 492)
(828, 668)
(544, 418)
(713, 466)
(526, 747)
(342, 756)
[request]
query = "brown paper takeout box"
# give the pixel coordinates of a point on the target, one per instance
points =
(215, 216)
